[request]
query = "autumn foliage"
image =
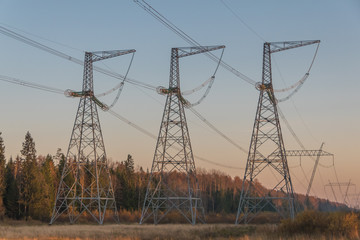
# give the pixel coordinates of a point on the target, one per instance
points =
(28, 185)
(314, 222)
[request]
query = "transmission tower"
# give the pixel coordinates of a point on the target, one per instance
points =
(85, 184)
(341, 185)
(267, 151)
(173, 184)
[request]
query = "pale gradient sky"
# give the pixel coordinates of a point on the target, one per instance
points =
(325, 109)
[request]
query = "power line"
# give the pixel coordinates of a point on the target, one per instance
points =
(118, 116)
(290, 129)
(168, 24)
(197, 114)
(31, 85)
(296, 137)
(50, 50)
(242, 21)
(42, 38)
(125, 120)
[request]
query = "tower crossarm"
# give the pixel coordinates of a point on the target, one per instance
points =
(101, 55)
(339, 184)
(306, 153)
(281, 46)
(314, 169)
(189, 51)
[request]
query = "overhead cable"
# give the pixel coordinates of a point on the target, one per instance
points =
(30, 84)
(242, 21)
(122, 84)
(60, 91)
(40, 46)
(163, 20)
(196, 113)
(301, 82)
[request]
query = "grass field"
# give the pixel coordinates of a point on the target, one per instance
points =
(135, 232)
(124, 231)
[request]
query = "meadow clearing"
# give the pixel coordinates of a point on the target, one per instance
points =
(149, 231)
(306, 225)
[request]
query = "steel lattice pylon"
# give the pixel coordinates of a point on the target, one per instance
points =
(267, 149)
(173, 184)
(85, 184)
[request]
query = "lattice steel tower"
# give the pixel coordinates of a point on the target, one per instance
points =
(173, 184)
(85, 184)
(267, 149)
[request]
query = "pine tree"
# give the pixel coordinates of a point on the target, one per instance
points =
(125, 190)
(2, 177)
(129, 165)
(128, 181)
(34, 190)
(51, 179)
(11, 197)
(60, 158)
(28, 173)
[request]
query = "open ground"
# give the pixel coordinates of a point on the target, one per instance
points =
(14, 230)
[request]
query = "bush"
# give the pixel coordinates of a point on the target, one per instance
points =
(343, 224)
(313, 222)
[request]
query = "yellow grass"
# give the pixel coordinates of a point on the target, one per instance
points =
(120, 231)
(147, 232)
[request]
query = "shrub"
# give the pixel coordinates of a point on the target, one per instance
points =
(313, 222)
(306, 222)
(343, 224)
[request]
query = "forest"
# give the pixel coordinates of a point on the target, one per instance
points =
(28, 185)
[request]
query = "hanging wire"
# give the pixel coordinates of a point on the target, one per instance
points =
(125, 120)
(337, 179)
(142, 130)
(40, 46)
(296, 137)
(207, 81)
(218, 164)
(167, 23)
(42, 38)
(212, 79)
(189, 105)
(302, 120)
(323, 183)
(290, 128)
(197, 114)
(307, 179)
(300, 181)
(122, 83)
(163, 20)
(242, 21)
(60, 91)
(30, 84)
(217, 66)
(300, 83)
(198, 88)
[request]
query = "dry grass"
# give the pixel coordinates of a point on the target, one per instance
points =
(122, 231)
(136, 232)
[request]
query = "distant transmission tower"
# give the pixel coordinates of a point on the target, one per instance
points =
(85, 184)
(267, 149)
(173, 184)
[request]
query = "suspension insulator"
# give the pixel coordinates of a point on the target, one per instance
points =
(261, 87)
(258, 86)
(69, 93)
(163, 91)
(104, 107)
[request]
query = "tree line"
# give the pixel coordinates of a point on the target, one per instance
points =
(28, 185)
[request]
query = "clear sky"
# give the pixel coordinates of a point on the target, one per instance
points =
(326, 109)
